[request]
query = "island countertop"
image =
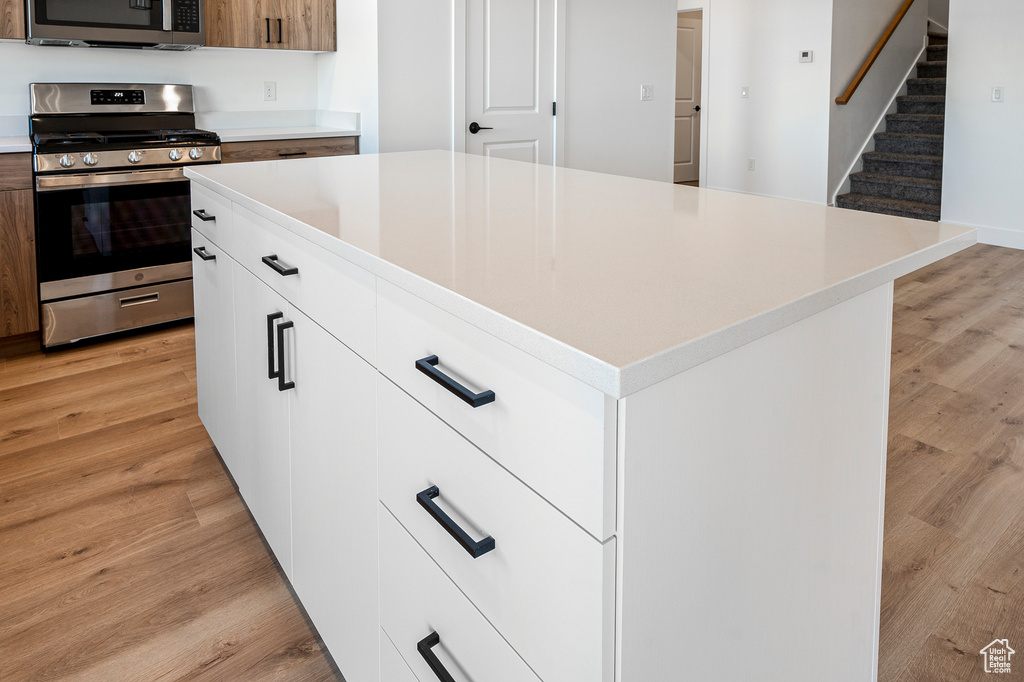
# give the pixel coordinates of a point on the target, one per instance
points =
(616, 281)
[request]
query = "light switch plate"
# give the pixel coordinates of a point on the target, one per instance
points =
(997, 94)
(745, 92)
(806, 56)
(646, 93)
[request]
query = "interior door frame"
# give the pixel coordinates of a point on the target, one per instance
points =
(460, 31)
(704, 6)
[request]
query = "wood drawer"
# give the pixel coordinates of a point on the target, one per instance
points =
(218, 211)
(547, 586)
(267, 150)
(417, 598)
(339, 296)
(550, 430)
(15, 171)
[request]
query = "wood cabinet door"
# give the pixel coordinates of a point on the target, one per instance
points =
(19, 298)
(296, 25)
(236, 23)
(12, 19)
(334, 495)
(263, 415)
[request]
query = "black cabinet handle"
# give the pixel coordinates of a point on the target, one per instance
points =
(201, 252)
(271, 372)
(475, 549)
(282, 385)
(427, 366)
(268, 29)
(279, 267)
(279, 40)
(292, 154)
(424, 646)
(203, 215)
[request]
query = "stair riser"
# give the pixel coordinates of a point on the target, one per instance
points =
(931, 70)
(926, 88)
(911, 170)
(934, 41)
(925, 195)
(922, 127)
(912, 107)
(902, 214)
(937, 53)
(911, 145)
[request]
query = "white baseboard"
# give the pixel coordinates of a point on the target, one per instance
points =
(998, 236)
(935, 23)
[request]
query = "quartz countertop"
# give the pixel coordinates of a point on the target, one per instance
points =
(284, 133)
(617, 281)
(11, 145)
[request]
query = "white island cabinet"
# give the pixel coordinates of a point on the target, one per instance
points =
(501, 421)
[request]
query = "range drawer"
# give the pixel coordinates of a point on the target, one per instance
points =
(214, 216)
(544, 575)
(338, 295)
(417, 599)
(552, 431)
(265, 150)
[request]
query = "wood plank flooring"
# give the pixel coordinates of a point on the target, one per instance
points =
(125, 553)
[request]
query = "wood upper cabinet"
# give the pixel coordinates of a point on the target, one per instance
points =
(271, 24)
(19, 299)
(12, 19)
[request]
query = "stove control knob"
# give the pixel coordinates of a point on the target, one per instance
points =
(195, 153)
(66, 161)
(91, 159)
(134, 157)
(175, 155)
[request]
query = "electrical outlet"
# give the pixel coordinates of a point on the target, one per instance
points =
(646, 93)
(269, 91)
(997, 94)
(750, 164)
(745, 92)
(806, 56)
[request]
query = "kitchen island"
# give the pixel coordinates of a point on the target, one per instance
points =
(526, 422)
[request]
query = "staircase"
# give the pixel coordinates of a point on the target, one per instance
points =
(903, 176)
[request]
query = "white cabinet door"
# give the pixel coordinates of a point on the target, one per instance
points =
(263, 414)
(215, 347)
(334, 494)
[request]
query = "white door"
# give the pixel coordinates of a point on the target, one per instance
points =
(688, 52)
(510, 79)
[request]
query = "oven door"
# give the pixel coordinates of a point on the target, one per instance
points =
(89, 226)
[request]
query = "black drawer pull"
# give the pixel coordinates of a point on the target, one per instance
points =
(282, 385)
(428, 367)
(268, 28)
(292, 154)
(203, 215)
(279, 35)
(475, 549)
(424, 646)
(271, 372)
(278, 267)
(201, 252)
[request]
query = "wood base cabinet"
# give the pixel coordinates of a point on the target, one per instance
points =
(19, 297)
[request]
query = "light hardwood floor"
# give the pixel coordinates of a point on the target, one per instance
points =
(125, 553)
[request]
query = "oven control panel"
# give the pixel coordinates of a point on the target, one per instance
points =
(117, 96)
(103, 160)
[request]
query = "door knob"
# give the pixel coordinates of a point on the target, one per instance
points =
(697, 108)
(475, 128)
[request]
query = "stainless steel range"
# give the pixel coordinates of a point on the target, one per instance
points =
(112, 205)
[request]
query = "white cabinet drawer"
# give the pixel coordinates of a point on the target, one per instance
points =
(338, 295)
(417, 599)
(393, 667)
(546, 586)
(549, 429)
(216, 216)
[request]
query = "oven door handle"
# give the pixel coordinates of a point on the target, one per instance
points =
(52, 183)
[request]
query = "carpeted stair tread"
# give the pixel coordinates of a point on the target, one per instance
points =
(898, 180)
(915, 123)
(923, 98)
(916, 117)
(897, 207)
(904, 158)
(927, 81)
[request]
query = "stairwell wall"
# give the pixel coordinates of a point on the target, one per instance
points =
(984, 143)
(856, 27)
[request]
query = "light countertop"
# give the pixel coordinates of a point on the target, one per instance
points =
(617, 281)
(11, 145)
(281, 133)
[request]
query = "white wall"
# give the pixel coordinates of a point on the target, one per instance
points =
(612, 48)
(784, 125)
(856, 27)
(224, 79)
(348, 78)
(984, 142)
(938, 11)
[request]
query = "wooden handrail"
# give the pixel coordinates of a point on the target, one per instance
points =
(869, 62)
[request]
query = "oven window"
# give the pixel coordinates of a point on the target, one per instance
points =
(96, 230)
(101, 13)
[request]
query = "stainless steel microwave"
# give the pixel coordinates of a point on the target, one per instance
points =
(158, 24)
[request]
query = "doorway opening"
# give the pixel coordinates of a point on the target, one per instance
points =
(689, 40)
